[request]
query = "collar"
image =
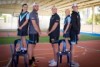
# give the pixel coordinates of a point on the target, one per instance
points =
(74, 12)
(54, 14)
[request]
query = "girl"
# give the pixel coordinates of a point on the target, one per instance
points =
(23, 26)
(66, 29)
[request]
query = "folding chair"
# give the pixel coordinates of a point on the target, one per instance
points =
(62, 53)
(15, 54)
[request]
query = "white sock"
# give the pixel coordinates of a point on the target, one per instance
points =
(24, 48)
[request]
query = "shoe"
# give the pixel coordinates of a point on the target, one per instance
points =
(51, 61)
(74, 64)
(34, 65)
(53, 64)
(66, 50)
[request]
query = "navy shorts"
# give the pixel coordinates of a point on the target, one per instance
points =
(73, 37)
(67, 35)
(33, 38)
(22, 32)
(53, 38)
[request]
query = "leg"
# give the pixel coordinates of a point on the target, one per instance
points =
(24, 41)
(31, 47)
(33, 57)
(72, 45)
(66, 39)
(36, 39)
(30, 53)
(54, 46)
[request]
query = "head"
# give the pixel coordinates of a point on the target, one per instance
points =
(35, 7)
(24, 7)
(67, 12)
(75, 7)
(54, 10)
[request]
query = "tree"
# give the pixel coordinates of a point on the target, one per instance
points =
(97, 19)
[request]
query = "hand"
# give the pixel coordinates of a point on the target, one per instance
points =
(78, 36)
(40, 33)
(64, 32)
(48, 32)
(20, 28)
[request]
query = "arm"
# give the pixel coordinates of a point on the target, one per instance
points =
(74, 23)
(24, 24)
(35, 26)
(27, 18)
(53, 28)
(39, 28)
(56, 22)
(67, 27)
(79, 25)
(68, 20)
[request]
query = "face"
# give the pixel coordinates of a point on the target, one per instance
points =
(67, 12)
(36, 7)
(54, 10)
(25, 7)
(75, 8)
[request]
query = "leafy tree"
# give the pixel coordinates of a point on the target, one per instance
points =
(97, 19)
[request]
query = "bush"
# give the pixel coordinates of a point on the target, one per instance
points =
(97, 19)
(89, 20)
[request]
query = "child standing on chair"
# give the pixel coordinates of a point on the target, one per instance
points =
(23, 26)
(66, 30)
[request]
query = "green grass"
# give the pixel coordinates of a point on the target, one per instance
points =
(8, 40)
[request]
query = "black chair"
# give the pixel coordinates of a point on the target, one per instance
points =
(15, 54)
(61, 53)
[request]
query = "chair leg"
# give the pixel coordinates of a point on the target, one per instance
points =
(68, 57)
(17, 59)
(14, 62)
(25, 60)
(60, 58)
(57, 60)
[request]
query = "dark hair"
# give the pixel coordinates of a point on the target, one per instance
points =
(23, 6)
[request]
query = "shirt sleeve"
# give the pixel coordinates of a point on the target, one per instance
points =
(32, 16)
(57, 19)
(27, 16)
(69, 19)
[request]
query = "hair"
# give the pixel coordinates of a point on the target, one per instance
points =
(54, 7)
(23, 6)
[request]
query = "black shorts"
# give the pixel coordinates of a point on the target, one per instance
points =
(33, 38)
(73, 37)
(67, 35)
(53, 38)
(22, 32)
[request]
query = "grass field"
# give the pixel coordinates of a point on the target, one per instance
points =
(9, 40)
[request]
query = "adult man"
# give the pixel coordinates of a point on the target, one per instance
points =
(75, 24)
(54, 32)
(75, 28)
(34, 32)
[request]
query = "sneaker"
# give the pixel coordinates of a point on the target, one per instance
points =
(74, 64)
(51, 61)
(66, 50)
(53, 64)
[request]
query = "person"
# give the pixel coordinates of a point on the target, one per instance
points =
(23, 26)
(54, 32)
(66, 29)
(34, 32)
(75, 24)
(75, 29)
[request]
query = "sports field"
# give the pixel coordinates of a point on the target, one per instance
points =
(86, 53)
